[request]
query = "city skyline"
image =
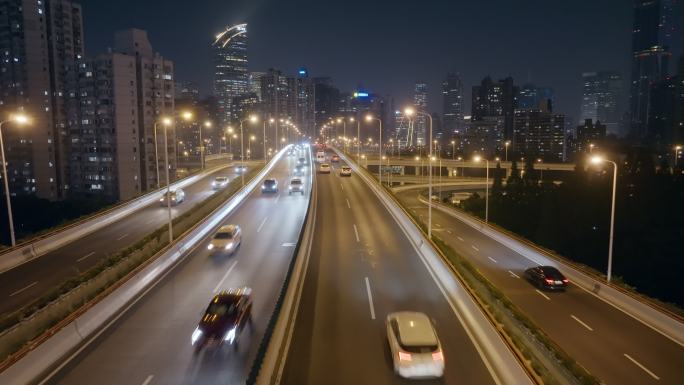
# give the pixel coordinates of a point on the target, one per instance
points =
(603, 42)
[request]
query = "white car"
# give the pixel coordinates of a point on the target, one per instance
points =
(416, 351)
(345, 171)
(219, 182)
(296, 185)
(226, 240)
(177, 197)
(324, 168)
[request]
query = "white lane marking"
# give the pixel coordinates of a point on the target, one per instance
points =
(645, 369)
(542, 294)
(85, 256)
(289, 244)
(262, 224)
(148, 380)
(277, 198)
(474, 247)
(348, 204)
(30, 285)
(582, 323)
(122, 237)
(341, 186)
(449, 231)
(356, 232)
(370, 299)
(493, 260)
(460, 239)
(513, 274)
(225, 276)
(438, 225)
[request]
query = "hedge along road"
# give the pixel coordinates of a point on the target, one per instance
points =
(151, 343)
(26, 282)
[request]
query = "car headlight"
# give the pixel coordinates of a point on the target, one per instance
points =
(161, 199)
(211, 246)
(230, 336)
(229, 246)
(213, 183)
(290, 187)
(263, 187)
(196, 335)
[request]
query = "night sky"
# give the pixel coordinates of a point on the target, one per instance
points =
(386, 46)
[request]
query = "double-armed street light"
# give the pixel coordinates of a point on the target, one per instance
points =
(20, 120)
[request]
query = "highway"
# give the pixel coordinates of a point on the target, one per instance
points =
(150, 344)
(24, 283)
(361, 268)
(609, 343)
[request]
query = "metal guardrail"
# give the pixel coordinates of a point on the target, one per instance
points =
(68, 339)
(503, 365)
(660, 320)
(62, 236)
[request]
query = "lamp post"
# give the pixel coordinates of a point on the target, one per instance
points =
(477, 159)
(599, 160)
(677, 148)
(358, 139)
(230, 132)
(19, 119)
(410, 112)
(453, 150)
(370, 118)
(591, 147)
(252, 119)
(249, 145)
(506, 144)
(541, 170)
(206, 124)
(166, 122)
(168, 185)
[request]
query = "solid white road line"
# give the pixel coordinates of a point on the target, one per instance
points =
(449, 231)
(225, 276)
(460, 239)
(493, 260)
(645, 369)
(542, 294)
(356, 232)
(148, 380)
(85, 256)
(122, 237)
(474, 247)
(513, 274)
(348, 204)
(582, 323)
(277, 198)
(262, 224)
(341, 185)
(370, 299)
(289, 244)
(30, 285)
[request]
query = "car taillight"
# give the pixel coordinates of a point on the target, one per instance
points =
(565, 280)
(548, 280)
(404, 356)
(438, 356)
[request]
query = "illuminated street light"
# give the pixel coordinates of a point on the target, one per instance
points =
(410, 111)
(599, 160)
(19, 119)
(478, 158)
(506, 144)
(251, 119)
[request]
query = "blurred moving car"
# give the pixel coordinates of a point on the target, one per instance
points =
(320, 156)
(296, 185)
(227, 239)
(345, 171)
(335, 159)
(219, 182)
(546, 277)
(416, 351)
(226, 317)
(298, 170)
(240, 169)
(324, 168)
(301, 161)
(269, 185)
(177, 196)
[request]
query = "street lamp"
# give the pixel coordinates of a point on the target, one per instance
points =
(410, 112)
(251, 119)
(370, 118)
(677, 148)
(478, 158)
(591, 147)
(541, 170)
(165, 121)
(598, 160)
(229, 130)
(206, 124)
(19, 119)
(506, 144)
(453, 150)
(249, 145)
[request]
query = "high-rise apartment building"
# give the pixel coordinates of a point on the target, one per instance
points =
(531, 97)
(539, 134)
(589, 133)
(420, 125)
(306, 98)
(601, 94)
(187, 92)
(40, 42)
(231, 77)
(651, 36)
(493, 105)
(326, 100)
(254, 83)
(452, 95)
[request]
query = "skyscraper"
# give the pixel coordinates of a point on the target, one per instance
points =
(40, 42)
(532, 97)
(651, 37)
(601, 93)
(420, 121)
(539, 134)
(452, 94)
(231, 78)
(492, 111)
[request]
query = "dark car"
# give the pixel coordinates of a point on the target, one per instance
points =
(269, 185)
(301, 161)
(547, 277)
(298, 170)
(335, 159)
(226, 317)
